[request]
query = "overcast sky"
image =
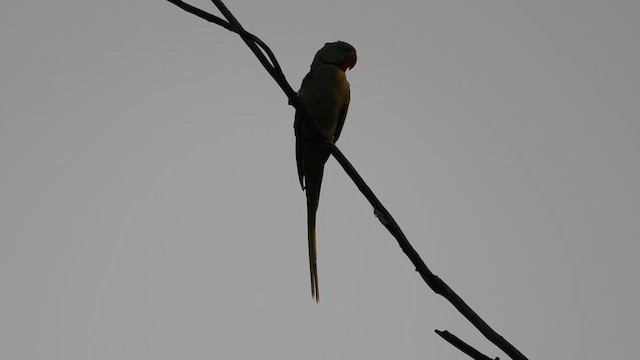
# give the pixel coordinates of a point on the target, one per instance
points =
(150, 206)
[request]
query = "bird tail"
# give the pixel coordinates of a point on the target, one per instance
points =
(313, 257)
(312, 190)
(313, 196)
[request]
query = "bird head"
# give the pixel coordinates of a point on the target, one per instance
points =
(337, 53)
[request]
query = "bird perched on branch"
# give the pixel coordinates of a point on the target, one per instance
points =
(325, 95)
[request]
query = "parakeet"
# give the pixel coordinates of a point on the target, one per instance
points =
(325, 94)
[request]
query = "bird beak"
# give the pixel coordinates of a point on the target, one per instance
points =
(352, 58)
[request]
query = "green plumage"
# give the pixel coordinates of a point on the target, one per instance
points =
(326, 95)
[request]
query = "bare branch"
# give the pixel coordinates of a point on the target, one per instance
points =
(256, 45)
(433, 281)
(463, 346)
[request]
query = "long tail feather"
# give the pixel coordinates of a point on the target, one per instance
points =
(313, 262)
(314, 169)
(313, 196)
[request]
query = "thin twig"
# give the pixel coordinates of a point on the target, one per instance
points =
(255, 44)
(433, 281)
(249, 41)
(463, 346)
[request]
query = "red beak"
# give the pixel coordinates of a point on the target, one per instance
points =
(352, 58)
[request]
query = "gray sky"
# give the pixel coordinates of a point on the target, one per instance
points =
(150, 208)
